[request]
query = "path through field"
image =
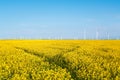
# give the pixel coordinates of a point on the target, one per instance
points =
(59, 59)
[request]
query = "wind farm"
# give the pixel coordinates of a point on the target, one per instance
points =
(59, 40)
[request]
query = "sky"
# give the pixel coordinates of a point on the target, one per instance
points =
(39, 19)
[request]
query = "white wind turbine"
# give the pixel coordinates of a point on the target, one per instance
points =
(108, 36)
(97, 35)
(84, 37)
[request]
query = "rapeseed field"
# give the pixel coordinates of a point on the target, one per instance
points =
(59, 59)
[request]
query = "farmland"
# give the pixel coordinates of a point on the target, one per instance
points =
(59, 59)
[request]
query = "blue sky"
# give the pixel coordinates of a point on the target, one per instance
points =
(59, 18)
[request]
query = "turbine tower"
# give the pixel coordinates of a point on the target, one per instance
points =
(97, 35)
(61, 38)
(108, 36)
(84, 34)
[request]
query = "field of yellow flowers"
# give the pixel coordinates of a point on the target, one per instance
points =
(59, 59)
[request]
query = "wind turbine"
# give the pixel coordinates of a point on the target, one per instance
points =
(61, 38)
(97, 35)
(84, 34)
(108, 36)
